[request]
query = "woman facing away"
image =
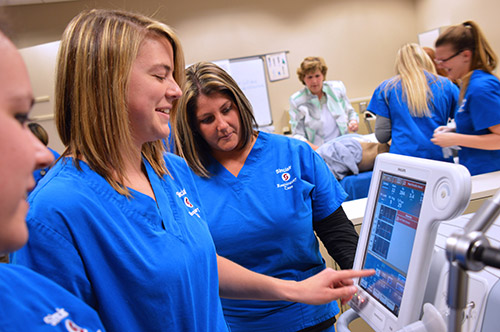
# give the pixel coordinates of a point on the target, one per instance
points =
(463, 51)
(264, 195)
(116, 221)
(320, 111)
(412, 104)
(29, 301)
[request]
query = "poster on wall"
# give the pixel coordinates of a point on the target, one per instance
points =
(277, 66)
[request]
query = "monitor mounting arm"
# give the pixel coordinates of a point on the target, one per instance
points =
(470, 251)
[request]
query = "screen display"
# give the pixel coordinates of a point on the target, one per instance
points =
(390, 242)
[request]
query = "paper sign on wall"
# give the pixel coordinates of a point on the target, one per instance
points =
(277, 66)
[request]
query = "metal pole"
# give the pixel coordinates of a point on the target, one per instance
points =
(457, 296)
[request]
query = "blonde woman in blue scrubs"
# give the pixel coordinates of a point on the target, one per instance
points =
(412, 104)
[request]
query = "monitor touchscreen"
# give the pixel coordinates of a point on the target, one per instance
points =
(392, 234)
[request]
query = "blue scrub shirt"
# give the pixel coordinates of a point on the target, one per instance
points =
(411, 136)
(31, 302)
(263, 220)
(144, 265)
(480, 110)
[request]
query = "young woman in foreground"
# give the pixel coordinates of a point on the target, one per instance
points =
(28, 301)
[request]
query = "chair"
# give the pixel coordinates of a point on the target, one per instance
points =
(368, 117)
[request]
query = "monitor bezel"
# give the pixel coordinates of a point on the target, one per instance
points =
(437, 176)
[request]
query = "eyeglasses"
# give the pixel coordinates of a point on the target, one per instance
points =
(437, 61)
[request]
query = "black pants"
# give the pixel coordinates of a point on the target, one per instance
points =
(321, 326)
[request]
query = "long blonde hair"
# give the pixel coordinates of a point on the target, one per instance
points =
(468, 36)
(412, 67)
(95, 58)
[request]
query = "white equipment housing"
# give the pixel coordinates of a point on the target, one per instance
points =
(407, 200)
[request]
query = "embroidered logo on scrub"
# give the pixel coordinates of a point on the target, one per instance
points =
(72, 327)
(183, 195)
(187, 202)
(60, 315)
(288, 182)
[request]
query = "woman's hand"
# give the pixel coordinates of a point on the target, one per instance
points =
(327, 286)
(237, 282)
(444, 139)
(444, 129)
(489, 141)
(353, 125)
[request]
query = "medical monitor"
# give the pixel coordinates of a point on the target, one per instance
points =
(407, 198)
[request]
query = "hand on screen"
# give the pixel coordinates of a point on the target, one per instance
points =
(330, 285)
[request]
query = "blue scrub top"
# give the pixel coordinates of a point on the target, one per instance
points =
(263, 220)
(480, 109)
(31, 302)
(411, 136)
(144, 265)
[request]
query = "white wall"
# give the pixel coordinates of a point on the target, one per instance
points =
(358, 40)
(41, 64)
(438, 13)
